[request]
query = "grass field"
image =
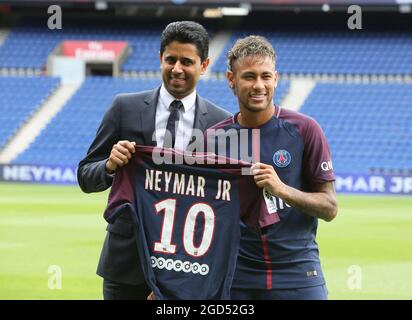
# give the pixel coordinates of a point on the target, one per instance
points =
(366, 251)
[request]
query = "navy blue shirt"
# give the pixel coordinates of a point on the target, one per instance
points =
(285, 254)
(187, 219)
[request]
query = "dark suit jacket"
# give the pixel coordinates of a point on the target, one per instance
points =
(131, 117)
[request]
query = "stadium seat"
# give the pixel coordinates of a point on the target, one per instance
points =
(367, 125)
(72, 130)
(20, 97)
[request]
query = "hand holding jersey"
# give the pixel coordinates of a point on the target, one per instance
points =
(120, 155)
(266, 177)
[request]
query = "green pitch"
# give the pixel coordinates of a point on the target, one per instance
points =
(52, 236)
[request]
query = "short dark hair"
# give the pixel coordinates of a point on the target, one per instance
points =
(186, 32)
(250, 46)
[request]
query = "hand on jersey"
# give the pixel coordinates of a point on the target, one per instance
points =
(120, 155)
(266, 177)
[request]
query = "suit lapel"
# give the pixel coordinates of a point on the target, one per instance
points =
(148, 117)
(200, 114)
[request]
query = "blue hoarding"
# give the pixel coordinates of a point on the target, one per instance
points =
(345, 182)
(373, 184)
(38, 174)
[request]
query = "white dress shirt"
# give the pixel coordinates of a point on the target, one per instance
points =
(186, 118)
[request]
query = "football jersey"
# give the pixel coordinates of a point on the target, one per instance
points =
(187, 219)
(283, 255)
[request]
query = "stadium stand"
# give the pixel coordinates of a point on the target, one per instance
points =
(335, 52)
(368, 126)
(30, 42)
(73, 128)
(19, 99)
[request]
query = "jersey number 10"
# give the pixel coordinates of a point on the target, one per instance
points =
(165, 245)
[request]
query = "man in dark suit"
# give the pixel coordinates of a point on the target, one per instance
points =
(143, 118)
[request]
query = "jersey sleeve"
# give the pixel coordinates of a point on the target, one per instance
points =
(317, 161)
(121, 195)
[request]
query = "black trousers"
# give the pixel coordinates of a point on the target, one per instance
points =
(119, 291)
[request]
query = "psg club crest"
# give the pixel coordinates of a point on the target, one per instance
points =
(282, 158)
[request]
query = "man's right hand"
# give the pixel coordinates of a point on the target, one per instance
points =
(120, 155)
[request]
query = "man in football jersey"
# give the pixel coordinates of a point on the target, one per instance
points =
(145, 118)
(295, 174)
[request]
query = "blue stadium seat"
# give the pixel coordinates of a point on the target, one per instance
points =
(66, 138)
(19, 99)
(365, 128)
(29, 44)
(334, 52)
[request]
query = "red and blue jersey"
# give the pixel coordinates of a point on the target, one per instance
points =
(187, 219)
(283, 255)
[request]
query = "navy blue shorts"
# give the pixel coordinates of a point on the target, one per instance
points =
(309, 293)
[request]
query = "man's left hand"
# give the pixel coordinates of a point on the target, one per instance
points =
(266, 177)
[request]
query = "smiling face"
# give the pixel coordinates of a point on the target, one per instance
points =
(181, 68)
(253, 80)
